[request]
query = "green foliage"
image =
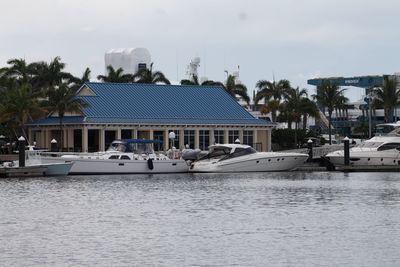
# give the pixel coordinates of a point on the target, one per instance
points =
(285, 138)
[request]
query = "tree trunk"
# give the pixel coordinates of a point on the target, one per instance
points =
(305, 121)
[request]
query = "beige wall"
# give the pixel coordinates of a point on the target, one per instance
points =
(262, 136)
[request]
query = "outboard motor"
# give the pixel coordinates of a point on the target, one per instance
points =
(150, 164)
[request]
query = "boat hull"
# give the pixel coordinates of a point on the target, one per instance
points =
(366, 158)
(108, 166)
(261, 162)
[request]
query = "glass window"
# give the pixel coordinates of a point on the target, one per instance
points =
(219, 136)
(233, 135)
(189, 138)
(248, 138)
(389, 146)
(204, 139)
(158, 135)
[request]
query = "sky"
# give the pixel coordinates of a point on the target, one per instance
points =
(267, 39)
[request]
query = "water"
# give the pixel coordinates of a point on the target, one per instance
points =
(261, 219)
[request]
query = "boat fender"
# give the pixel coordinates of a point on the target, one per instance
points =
(150, 164)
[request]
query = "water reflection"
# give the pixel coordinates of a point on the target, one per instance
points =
(258, 219)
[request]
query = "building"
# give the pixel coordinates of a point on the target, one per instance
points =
(129, 59)
(199, 116)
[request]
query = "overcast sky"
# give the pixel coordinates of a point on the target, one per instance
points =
(290, 39)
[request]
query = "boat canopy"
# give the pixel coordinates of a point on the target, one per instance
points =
(137, 146)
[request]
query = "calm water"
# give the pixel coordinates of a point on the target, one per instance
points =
(262, 219)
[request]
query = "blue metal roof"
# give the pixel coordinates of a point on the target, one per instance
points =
(162, 104)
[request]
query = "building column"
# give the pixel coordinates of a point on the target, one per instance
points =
(151, 134)
(196, 139)
(134, 134)
(102, 139)
(255, 137)
(42, 141)
(226, 136)
(47, 138)
(85, 139)
(241, 135)
(182, 138)
(166, 138)
(118, 134)
(269, 140)
(212, 139)
(65, 140)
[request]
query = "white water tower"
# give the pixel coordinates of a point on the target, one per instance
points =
(129, 59)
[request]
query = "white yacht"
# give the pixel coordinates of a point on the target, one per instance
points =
(244, 158)
(381, 150)
(124, 156)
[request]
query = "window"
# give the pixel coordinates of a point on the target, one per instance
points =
(219, 136)
(233, 135)
(204, 139)
(189, 138)
(389, 146)
(158, 135)
(248, 138)
(125, 157)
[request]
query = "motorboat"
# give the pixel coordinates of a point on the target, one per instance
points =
(244, 158)
(34, 164)
(123, 157)
(381, 150)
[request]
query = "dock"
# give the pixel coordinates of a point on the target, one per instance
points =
(29, 171)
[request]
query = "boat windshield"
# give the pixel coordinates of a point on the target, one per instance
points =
(141, 148)
(369, 144)
(388, 146)
(117, 146)
(239, 152)
(218, 152)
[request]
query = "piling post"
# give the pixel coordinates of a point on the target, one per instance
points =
(310, 150)
(346, 151)
(53, 145)
(21, 151)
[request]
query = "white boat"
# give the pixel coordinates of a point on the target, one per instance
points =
(124, 156)
(35, 164)
(244, 158)
(381, 150)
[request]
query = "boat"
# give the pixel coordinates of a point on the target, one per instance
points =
(244, 158)
(381, 150)
(127, 156)
(34, 166)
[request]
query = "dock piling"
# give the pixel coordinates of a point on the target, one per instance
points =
(346, 151)
(21, 151)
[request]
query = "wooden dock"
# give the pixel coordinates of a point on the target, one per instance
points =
(29, 171)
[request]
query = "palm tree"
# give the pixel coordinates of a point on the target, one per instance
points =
(62, 99)
(115, 76)
(271, 107)
(19, 106)
(48, 75)
(234, 88)
(150, 77)
(296, 105)
(193, 81)
(19, 70)
(329, 96)
(78, 82)
(271, 90)
(387, 97)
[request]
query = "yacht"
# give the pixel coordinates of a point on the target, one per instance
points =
(244, 158)
(381, 150)
(124, 156)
